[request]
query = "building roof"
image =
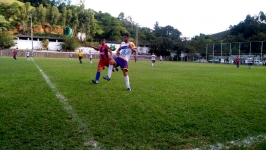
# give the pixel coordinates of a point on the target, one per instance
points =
(40, 37)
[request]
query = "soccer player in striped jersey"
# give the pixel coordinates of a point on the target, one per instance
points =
(123, 55)
(104, 59)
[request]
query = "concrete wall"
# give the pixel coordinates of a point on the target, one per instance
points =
(55, 54)
(54, 46)
(27, 44)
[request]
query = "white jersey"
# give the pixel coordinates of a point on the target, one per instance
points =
(27, 53)
(90, 55)
(250, 60)
(153, 57)
(125, 52)
(161, 57)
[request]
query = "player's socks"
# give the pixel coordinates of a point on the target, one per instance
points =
(127, 81)
(110, 68)
(98, 74)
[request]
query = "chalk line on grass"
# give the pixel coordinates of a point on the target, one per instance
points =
(87, 138)
(248, 141)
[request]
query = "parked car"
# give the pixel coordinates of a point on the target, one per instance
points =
(257, 62)
(264, 62)
(214, 60)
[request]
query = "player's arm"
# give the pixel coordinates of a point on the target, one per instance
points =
(110, 52)
(118, 51)
(96, 48)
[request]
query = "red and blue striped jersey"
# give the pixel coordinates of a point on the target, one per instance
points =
(104, 52)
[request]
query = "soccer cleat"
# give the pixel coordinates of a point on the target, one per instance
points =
(93, 81)
(116, 68)
(106, 78)
(128, 89)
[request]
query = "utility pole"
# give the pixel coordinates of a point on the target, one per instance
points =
(206, 52)
(31, 13)
(137, 35)
(261, 50)
(212, 53)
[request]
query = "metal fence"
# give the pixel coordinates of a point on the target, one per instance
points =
(55, 54)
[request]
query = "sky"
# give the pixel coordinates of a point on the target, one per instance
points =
(190, 17)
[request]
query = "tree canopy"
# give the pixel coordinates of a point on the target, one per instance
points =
(162, 40)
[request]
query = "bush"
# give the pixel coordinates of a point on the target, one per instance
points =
(6, 40)
(70, 43)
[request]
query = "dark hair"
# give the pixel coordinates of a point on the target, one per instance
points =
(126, 34)
(102, 39)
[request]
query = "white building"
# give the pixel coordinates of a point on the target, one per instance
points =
(25, 42)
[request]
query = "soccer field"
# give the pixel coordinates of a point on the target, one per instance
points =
(52, 104)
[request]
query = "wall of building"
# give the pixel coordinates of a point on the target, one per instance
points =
(25, 44)
(37, 44)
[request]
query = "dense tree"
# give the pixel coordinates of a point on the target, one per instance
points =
(4, 24)
(6, 40)
(96, 25)
(70, 43)
(41, 14)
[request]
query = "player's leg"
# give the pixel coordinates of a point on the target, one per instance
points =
(125, 73)
(98, 73)
(111, 63)
(124, 67)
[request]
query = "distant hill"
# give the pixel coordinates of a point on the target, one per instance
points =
(11, 1)
(221, 35)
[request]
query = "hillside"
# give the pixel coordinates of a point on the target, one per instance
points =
(11, 1)
(221, 35)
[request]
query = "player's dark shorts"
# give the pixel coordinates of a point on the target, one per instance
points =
(103, 63)
(121, 62)
(250, 64)
(80, 58)
(28, 56)
(153, 61)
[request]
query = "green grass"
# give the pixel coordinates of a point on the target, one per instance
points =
(171, 106)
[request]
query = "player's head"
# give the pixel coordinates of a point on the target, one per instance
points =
(103, 41)
(125, 37)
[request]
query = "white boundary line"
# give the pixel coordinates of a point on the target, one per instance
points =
(248, 141)
(87, 138)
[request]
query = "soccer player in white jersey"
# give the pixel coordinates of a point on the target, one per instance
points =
(250, 62)
(161, 58)
(153, 60)
(90, 57)
(28, 55)
(123, 55)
